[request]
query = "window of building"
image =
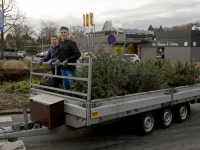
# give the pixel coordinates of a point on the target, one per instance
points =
(160, 50)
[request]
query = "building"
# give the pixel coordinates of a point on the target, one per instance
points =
(175, 45)
(124, 37)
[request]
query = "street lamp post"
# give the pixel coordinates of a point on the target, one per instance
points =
(42, 41)
(24, 45)
(94, 38)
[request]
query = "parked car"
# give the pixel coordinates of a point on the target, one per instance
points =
(89, 54)
(134, 58)
(45, 53)
(11, 55)
(21, 53)
(42, 54)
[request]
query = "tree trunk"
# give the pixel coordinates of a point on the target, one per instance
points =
(2, 44)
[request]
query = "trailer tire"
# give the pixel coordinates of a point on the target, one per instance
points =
(182, 112)
(147, 123)
(35, 125)
(166, 117)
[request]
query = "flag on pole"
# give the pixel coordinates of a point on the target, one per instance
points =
(91, 19)
(1, 20)
(83, 20)
(87, 20)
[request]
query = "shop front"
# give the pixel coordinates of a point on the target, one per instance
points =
(183, 45)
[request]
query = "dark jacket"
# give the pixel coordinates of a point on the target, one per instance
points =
(52, 54)
(69, 51)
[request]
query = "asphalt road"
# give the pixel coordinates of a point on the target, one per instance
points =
(120, 136)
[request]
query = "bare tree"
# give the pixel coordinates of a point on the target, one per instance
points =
(76, 32)
(46, 31)
(12, 16)
(22, 34)
(108, 26)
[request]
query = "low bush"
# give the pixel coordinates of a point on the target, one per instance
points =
(22, 86)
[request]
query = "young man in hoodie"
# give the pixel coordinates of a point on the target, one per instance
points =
(52, 56)
(68, 53)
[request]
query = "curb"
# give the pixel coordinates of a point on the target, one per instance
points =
(15, 111)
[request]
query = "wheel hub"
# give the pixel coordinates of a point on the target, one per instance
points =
(167, 117)
(183, 112)
(36, 126)
(148, 123)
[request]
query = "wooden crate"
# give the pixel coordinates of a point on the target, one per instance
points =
(47, 109)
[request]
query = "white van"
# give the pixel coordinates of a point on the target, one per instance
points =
(21, 53)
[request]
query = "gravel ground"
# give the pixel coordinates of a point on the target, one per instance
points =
(10, 101)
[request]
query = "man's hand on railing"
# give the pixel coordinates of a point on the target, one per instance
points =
(40, 62)
(50, 62)
(65, 63)
(57, 62)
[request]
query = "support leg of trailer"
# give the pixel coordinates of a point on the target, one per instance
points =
(25, 117)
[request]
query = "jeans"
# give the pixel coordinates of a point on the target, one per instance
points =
(66, 82)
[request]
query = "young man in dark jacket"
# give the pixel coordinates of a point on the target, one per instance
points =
(68, 53)
(52, 56)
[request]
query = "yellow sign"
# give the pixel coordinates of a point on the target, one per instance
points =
(91, 19)
(117, 50)
(94, 114)
(83, 20)
(87, 20)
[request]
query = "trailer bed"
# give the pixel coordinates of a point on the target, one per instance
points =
(108, 109)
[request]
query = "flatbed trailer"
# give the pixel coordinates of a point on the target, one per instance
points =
(163, 104)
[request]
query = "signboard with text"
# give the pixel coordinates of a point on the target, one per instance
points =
(175, 43)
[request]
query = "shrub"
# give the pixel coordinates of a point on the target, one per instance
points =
(109, 73)
(22, 86)
(113, 73)
(186, 73)
(146, 76)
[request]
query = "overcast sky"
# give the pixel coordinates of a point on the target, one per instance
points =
(134, 14)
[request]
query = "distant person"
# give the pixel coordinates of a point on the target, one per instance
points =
(52, 56)
(83, 56)
(163, 56)
(68, 53)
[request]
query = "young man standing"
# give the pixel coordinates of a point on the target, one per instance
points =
(53, 54)
(68, 53)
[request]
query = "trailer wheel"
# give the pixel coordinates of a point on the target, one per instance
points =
(182, 112)
(35, 125)
(147, 123)
(166, 117)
